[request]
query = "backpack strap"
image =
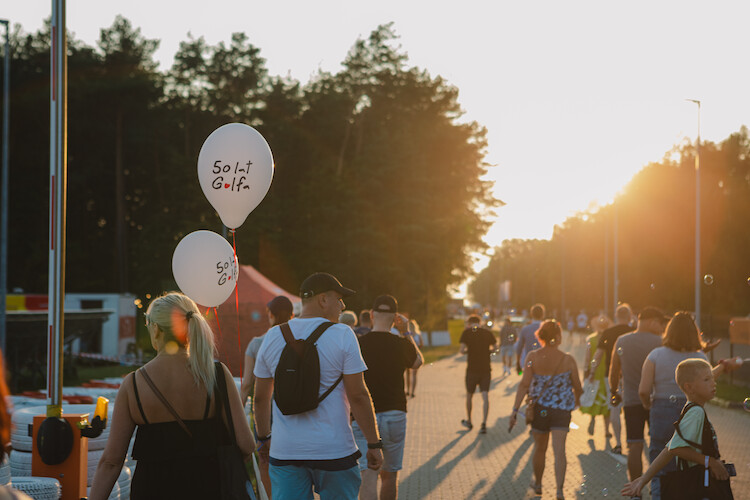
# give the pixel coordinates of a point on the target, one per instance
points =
(315, 335)
(164, 401)
(330, 389)
(677, 426)
(289, 338)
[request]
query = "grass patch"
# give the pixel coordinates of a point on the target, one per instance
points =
(729, 392)
(438, 352)
(83, 373)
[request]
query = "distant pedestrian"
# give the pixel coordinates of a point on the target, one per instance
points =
(316, 449)
(508, 339)
(478, 344)
(365, 323)
(623, 320)
(279, 310)
(411, 373)
(658, 389)
(582, 321)
(630, 351)
(527, 340)
(595, 376)
(550, 378)
(349, 318)
(387, 357)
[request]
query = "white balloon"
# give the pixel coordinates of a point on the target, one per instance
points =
(204, 267)
(235, 169)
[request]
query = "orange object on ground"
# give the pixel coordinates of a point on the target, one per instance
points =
(73, 471)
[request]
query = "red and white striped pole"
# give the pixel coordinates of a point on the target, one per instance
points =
(58, 166)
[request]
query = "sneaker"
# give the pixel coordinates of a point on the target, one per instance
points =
(483, 429)
(467, 424)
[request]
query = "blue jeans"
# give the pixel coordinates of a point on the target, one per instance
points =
(392, 428)
(664, 413)
(291, 482)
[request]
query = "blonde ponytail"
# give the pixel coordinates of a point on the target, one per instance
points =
(181, 321)
(201, 349)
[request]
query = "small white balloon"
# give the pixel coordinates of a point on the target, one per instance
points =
(204, 267)
(235, 169)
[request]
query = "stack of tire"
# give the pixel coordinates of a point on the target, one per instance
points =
(38, 488)
(5, 471)
(20, 457)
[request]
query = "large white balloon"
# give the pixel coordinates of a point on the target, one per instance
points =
(235, 168)
(204, 268)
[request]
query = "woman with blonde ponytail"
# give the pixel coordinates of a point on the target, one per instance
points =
(172, 401)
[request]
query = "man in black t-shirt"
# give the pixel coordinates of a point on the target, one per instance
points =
(387, 356)
(478, 343)
(603, 354)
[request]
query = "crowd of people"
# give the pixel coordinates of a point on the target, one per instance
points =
(349, 441)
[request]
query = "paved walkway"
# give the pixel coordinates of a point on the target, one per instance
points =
(443, 460)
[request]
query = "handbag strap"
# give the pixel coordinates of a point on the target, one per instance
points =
(223, 398)
(164, 401)
(286, 331)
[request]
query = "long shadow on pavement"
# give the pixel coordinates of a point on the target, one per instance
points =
(510, 472)
(431, 467)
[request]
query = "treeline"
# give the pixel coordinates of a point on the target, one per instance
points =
(655, 221)
(377, 180)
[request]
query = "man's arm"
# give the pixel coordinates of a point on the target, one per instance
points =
(614, 372)
(364, 414)
(463, 349)
(647, 383)
(420, 358)
(262, 409)
(248, 380)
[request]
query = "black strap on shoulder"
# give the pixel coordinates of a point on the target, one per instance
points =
(164, 401)
(222, 400)
(330, 389)
(208, 405)
(315, 335)
(677, 426)
(138, 399)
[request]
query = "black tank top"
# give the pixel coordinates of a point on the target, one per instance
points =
(172, 464)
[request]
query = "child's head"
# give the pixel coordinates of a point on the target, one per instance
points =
(695, 378)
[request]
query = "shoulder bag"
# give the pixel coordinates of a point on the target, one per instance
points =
(233, 477)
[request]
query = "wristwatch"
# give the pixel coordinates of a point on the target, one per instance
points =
(264, 438)
(375, 446)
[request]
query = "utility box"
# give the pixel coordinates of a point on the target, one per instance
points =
(72, 467)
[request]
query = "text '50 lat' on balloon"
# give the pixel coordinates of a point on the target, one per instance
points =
(205, 268)
(235, 169)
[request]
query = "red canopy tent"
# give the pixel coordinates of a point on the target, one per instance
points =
(255, 291)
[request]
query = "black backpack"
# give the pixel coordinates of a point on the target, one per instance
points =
(297, 377)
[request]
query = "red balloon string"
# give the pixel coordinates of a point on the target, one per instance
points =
(237, 303)
(218, 326)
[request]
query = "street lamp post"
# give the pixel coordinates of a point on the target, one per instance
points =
(4, 192)
(698, 219)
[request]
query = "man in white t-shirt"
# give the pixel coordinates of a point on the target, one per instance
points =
(317, 448)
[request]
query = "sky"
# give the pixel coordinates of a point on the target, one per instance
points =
(576, 96)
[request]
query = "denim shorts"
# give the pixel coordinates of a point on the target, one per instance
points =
(292, 482)
(392, 428)
(507, 350)
(662, 416)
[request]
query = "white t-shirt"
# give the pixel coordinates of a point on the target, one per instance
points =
(323, 433)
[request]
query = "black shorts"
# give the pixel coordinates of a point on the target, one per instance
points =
(550, 419)
(636, 417)
(478, 379)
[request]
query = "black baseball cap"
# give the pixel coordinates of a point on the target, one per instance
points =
(281, 307)
(651, 313)
(385, 304)
(320, 283)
